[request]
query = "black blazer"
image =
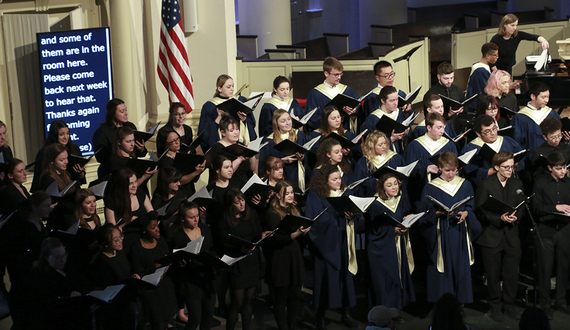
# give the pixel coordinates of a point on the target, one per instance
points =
(493, 227)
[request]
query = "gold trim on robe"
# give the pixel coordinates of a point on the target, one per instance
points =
(281, 104)
(393, 115)
(536, 115)
(331, 92)
(377, 90)
(352, 263)
(379, 160)
(217, 100)
(496, 146)
(432, 146)
(392, 205)
(451, 188)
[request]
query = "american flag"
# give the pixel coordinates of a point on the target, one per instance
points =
(173, 69)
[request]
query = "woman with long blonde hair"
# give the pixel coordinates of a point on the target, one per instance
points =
(377, 154)
(293, 165)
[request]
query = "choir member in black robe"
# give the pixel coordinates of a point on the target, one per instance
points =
(58, 288)
(172, 147)
(285, 271)
(240, 221)
(551, 205)
(194, 281)
(58, 133)
(105, 136)
(112, 267)
(499, 240)
(159, 303)
(176, 118)
(55, 168)
(488, 105)
(13, 193)
(125, 201)
(20, 239)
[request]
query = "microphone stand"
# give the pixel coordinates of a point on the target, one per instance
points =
(537, 234)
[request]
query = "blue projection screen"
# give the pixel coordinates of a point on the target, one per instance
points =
(76, 81)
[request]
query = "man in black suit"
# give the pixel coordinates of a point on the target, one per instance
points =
(499, 241)
(550, 203)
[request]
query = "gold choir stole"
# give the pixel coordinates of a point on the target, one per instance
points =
(451, 188)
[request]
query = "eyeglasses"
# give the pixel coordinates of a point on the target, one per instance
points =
(555, 137)
(507, 167)
(388, 75)
(492, 109)
(337, 75)
(489, 131)
(174, 141)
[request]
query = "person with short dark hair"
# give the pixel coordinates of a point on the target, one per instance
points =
(445, 87)
(499, 241)
(432, 103)
(449, 237)
(323, 93)
(478, 168)
(481, 71)
(488, 105)
(552, 133)
(384, 75)
(526, 122)
(550, 204)
(424, 147)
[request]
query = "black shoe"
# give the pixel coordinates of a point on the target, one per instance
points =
(349, 322)
(513, 312)
(398, 320)
(548, 312)
(496, 315)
